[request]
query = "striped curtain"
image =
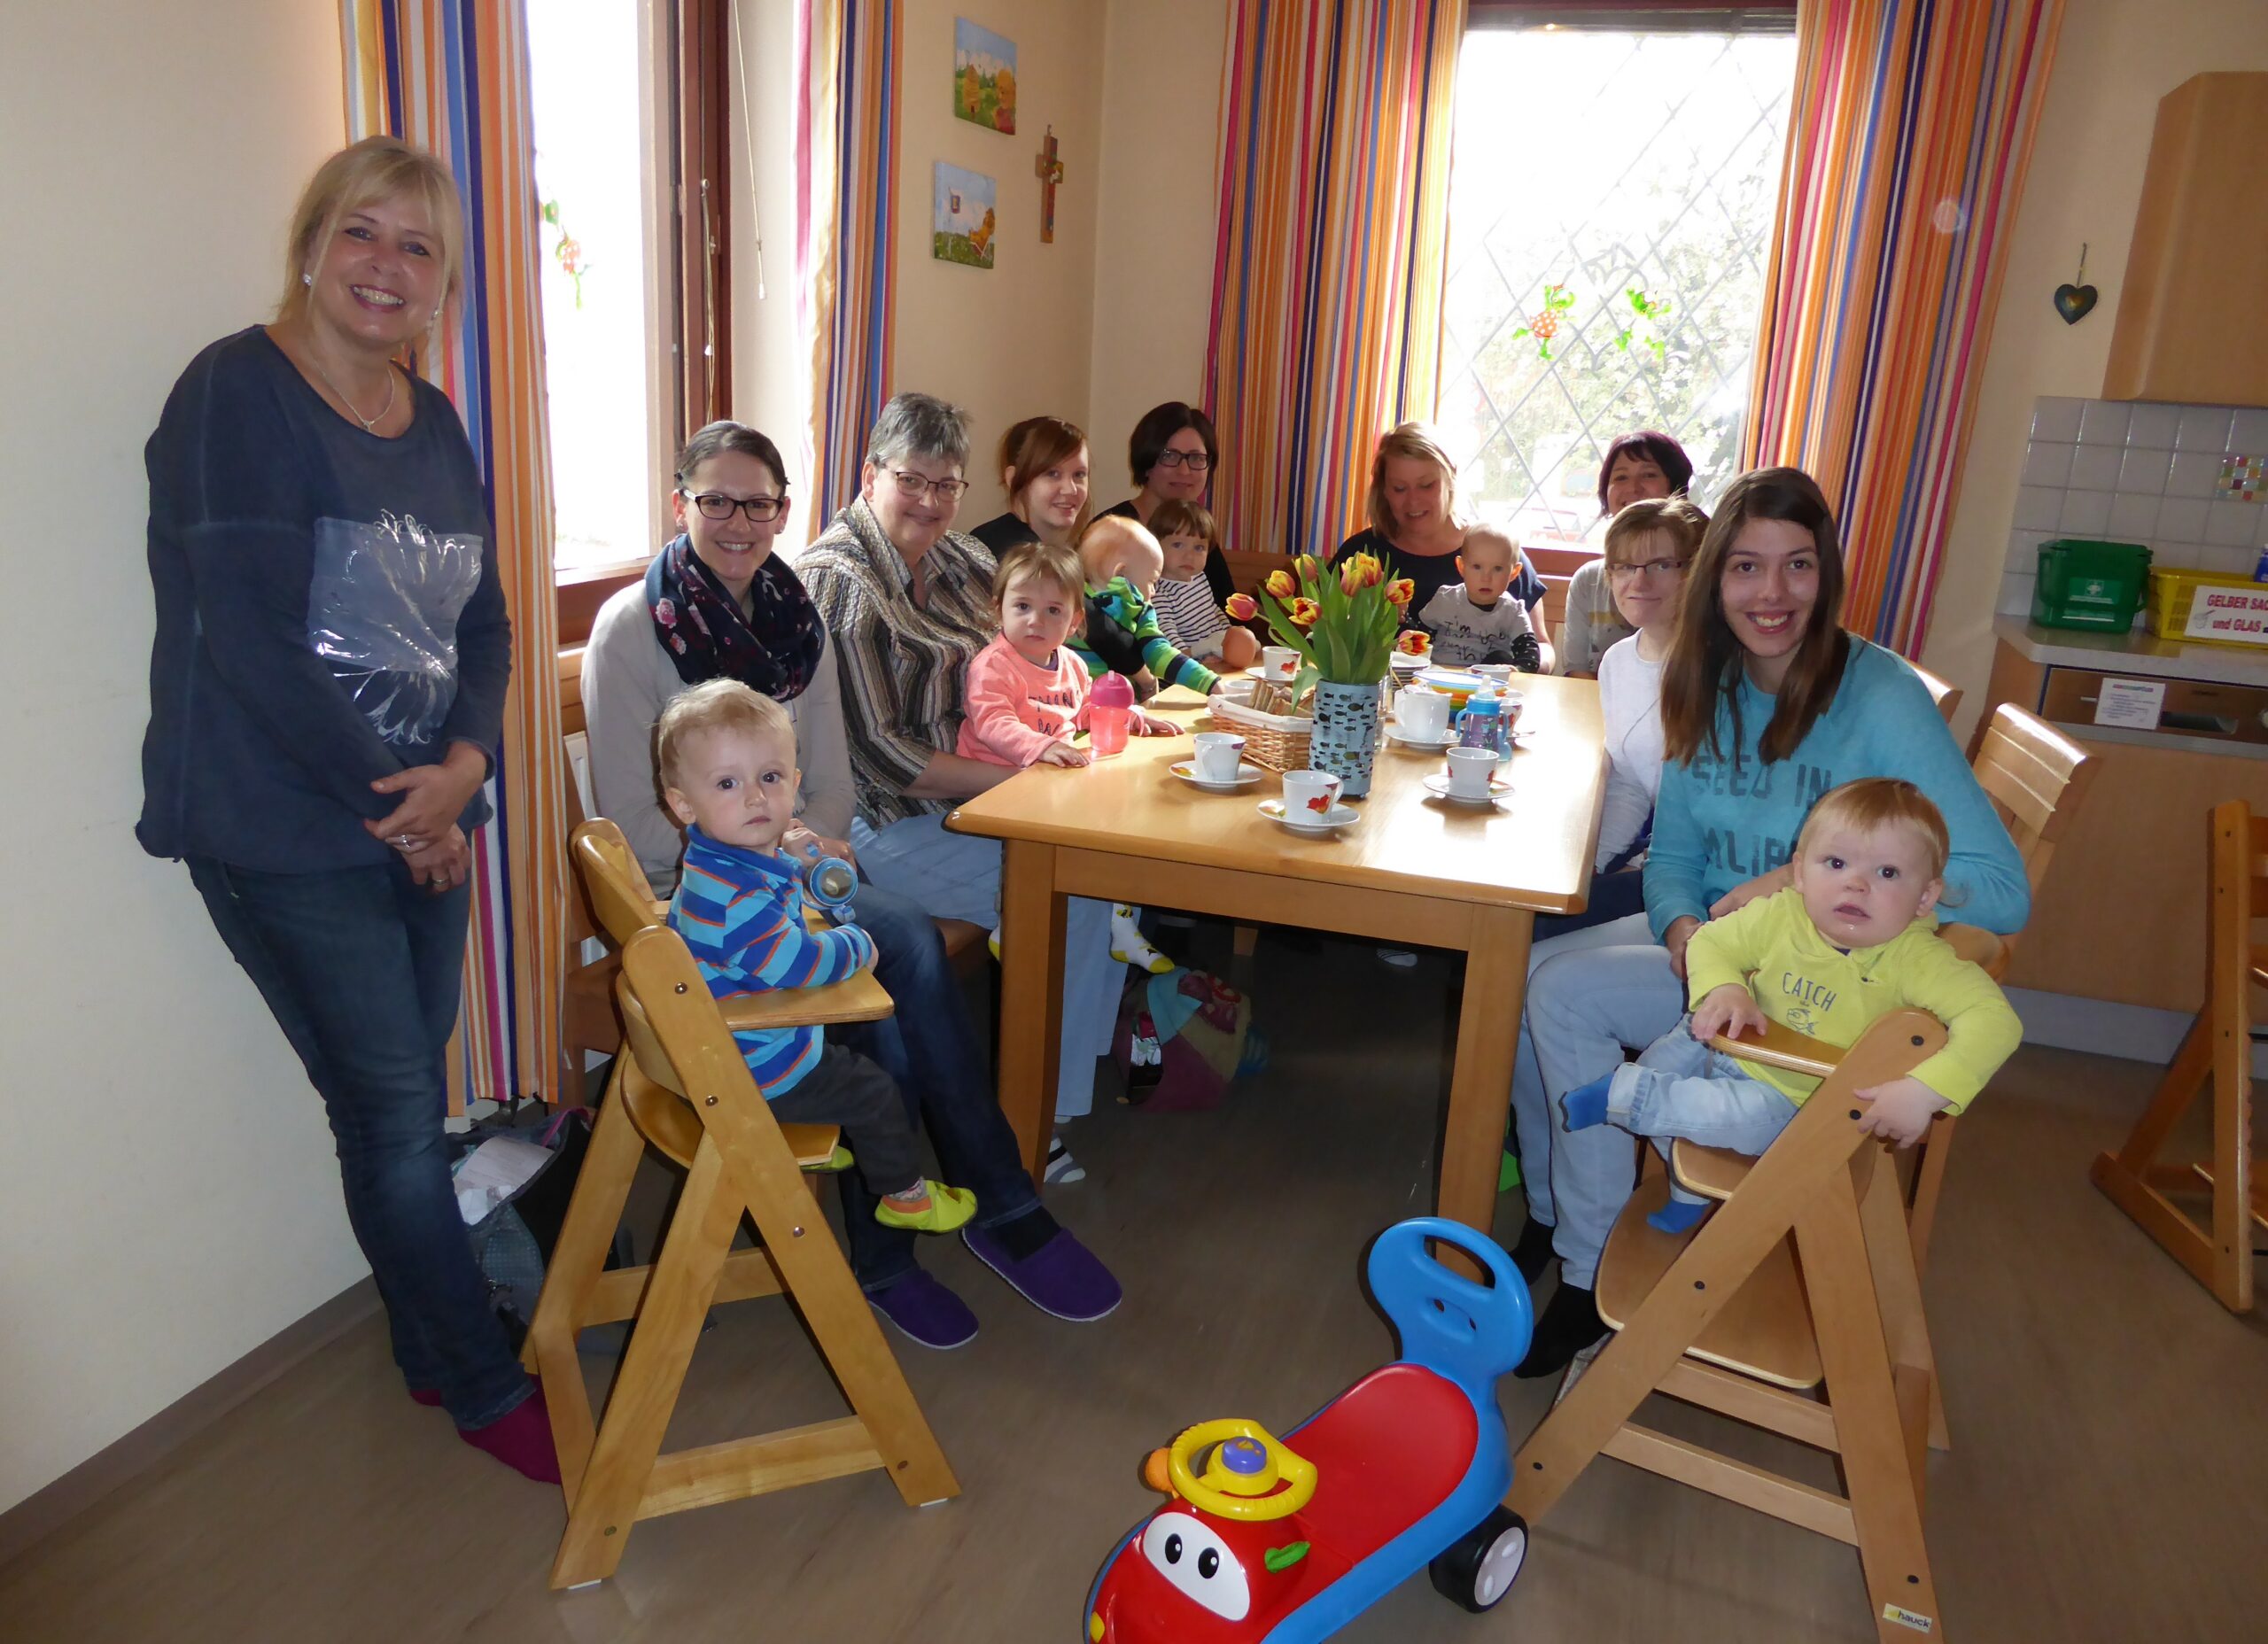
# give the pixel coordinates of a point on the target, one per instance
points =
(1329, 264)
(846, 232)
(452, 76)
(1907, 142)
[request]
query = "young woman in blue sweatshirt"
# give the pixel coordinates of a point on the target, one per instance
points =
(1767, 704)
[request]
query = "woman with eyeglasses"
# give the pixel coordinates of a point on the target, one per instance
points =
(717, 603)
(1414, 530)
(1173, 452)
(908, 601)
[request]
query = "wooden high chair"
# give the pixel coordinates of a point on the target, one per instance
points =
(2217, 1055)
(683, 1090)
(1821, 1282)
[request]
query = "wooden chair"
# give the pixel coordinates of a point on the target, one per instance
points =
(2215, 1055)
(1719, 1318)
(1943, 692)
(683, 1089)
(1796, 1309)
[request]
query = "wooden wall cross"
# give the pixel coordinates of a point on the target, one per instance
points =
(1049, 169)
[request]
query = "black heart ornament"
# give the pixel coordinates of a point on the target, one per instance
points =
(2075, 302)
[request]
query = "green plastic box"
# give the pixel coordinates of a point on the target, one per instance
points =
(2097, 585)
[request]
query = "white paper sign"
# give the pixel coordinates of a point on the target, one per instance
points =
(2217, 611)
(2132, 703)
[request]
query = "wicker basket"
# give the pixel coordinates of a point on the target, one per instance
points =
(1272, 741)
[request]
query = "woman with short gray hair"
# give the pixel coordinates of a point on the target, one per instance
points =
(908, 601)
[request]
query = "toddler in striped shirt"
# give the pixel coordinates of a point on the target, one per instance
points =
(728, 760)
(1188, 613)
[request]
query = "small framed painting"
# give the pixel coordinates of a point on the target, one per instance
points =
(964, 220)
(984, 77)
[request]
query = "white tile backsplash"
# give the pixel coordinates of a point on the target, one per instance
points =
(2204, 428)
(2048, 463)
(2104, 423)
(2133, 517)
(2154, 425)
(2125, 472)
(2095, 468)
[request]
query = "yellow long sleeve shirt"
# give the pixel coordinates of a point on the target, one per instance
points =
(1803, 981)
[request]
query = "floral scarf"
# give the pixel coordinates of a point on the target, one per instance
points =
(772, 649)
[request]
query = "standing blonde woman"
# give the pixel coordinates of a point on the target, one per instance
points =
(1415, 529)
(326, 696)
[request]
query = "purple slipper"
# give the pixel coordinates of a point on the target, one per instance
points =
(926, 1312)
(1061, 1277)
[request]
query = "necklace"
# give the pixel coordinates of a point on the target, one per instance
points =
(368, 422)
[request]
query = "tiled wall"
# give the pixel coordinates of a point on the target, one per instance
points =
(2184, 481)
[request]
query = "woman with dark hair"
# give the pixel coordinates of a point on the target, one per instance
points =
(717, 603)
(1043, 469)
(1767, 704)
(1640, 467)
(1416, 530)
(1172, 453)
(326, 701)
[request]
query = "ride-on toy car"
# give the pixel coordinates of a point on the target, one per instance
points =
(1407, 1470)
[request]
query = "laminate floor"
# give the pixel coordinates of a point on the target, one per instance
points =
(2109, 1482)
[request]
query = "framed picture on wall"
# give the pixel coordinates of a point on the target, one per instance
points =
(984, 77)
(964, 220)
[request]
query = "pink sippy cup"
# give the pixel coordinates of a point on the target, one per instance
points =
(1110, 710)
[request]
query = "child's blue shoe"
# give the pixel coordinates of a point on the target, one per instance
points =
(1585, 1106)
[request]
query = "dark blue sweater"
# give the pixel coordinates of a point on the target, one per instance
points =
(256, 753)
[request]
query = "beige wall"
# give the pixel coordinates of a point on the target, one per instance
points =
(2116, 58)
(168, 1194)
(1159, 184)
(1011, 341)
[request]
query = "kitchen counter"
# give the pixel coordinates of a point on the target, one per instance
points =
(2138, 653)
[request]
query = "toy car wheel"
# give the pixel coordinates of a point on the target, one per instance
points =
(1480, 1566)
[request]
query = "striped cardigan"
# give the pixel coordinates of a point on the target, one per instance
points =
(743, 916)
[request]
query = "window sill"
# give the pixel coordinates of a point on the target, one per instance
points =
(583, 589)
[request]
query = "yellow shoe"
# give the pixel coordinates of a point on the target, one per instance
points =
(949, 1207)
(840, 1159)
(992, 942)
(1129, 946)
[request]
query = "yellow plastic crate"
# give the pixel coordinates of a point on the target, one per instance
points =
(2173, 595)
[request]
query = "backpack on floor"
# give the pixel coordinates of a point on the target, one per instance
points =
(1182, 1036)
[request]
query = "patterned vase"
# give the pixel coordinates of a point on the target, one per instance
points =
(1346, 733)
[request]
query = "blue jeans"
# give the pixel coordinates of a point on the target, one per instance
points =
(928, 1048)
(1683, 1088)
(360, 968)
(957, 876)
(1584, 1004)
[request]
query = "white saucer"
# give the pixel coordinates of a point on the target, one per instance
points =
(1259, 672)
(1422, 744)
(1499, 790)
(1247, 773)
(1329, 822)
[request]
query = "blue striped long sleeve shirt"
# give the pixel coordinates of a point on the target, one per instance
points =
(743, 916)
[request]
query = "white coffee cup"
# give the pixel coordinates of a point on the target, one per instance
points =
(1471, 771)
(1422, 712)
(1219, 754)
(1309, 796)
(1279, 664)
(1508, 704)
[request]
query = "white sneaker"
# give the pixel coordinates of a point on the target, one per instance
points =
(1061, 1168)
(1400, 959)
(1129, 946)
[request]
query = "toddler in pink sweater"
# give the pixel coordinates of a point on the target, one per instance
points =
(1025, 694)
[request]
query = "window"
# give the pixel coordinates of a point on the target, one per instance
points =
(595, 179)
(1611, 206)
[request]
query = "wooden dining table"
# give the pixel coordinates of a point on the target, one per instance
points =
(1413, 871)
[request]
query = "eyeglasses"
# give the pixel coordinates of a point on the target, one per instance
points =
(911, 486)
(716, 505)
(1196, 460)
(1646, 568)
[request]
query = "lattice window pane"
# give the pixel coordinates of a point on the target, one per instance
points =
(1599, 163)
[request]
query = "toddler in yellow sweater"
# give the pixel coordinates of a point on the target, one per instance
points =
(1854, 938)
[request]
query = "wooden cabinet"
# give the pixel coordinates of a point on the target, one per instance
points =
(2188, 327)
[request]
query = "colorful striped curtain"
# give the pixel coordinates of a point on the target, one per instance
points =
(1329, 265)
(846, 232)
(1907, 142)
(452, 76)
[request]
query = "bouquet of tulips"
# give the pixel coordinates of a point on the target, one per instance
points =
(1340, 617)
